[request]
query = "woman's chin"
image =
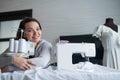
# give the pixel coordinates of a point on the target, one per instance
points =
(36, 41)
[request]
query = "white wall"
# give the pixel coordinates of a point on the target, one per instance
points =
(67, 17)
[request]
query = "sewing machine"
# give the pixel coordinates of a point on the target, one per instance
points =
(66, 50)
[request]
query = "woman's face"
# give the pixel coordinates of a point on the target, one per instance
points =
(32, 32)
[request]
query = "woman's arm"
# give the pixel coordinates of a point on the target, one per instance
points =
(19, 62)
(43, 54)
(22, 63)
(4, 59)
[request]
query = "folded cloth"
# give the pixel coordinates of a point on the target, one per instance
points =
(84, 66)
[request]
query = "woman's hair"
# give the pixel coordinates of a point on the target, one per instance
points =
(22, 26)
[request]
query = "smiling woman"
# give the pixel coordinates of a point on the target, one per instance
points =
(32, 32)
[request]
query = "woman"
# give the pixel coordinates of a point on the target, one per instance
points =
(32, 32)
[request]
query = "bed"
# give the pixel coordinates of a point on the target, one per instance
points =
(81, 71)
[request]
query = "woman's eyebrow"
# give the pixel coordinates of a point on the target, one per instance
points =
(29, 28)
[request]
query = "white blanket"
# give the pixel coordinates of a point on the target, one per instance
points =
(81, 71)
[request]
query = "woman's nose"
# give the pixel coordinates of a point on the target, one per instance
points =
(35, 32)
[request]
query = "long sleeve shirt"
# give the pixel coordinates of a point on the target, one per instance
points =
(42, 54)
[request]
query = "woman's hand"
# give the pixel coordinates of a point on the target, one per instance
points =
(22, 63)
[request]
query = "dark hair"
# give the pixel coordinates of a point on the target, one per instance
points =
(22, 26)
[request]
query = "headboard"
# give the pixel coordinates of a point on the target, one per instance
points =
(87, 38)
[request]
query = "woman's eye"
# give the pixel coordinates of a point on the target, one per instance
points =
(30, 30)
(38, 29)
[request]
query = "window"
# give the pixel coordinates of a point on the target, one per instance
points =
(9, 22)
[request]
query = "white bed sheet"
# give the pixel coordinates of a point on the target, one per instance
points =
(81, 71)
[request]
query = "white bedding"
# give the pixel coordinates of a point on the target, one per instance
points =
(81, 71)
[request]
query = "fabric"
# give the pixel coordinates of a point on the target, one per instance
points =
(42, 55)
(111, 44)
(82, 71)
